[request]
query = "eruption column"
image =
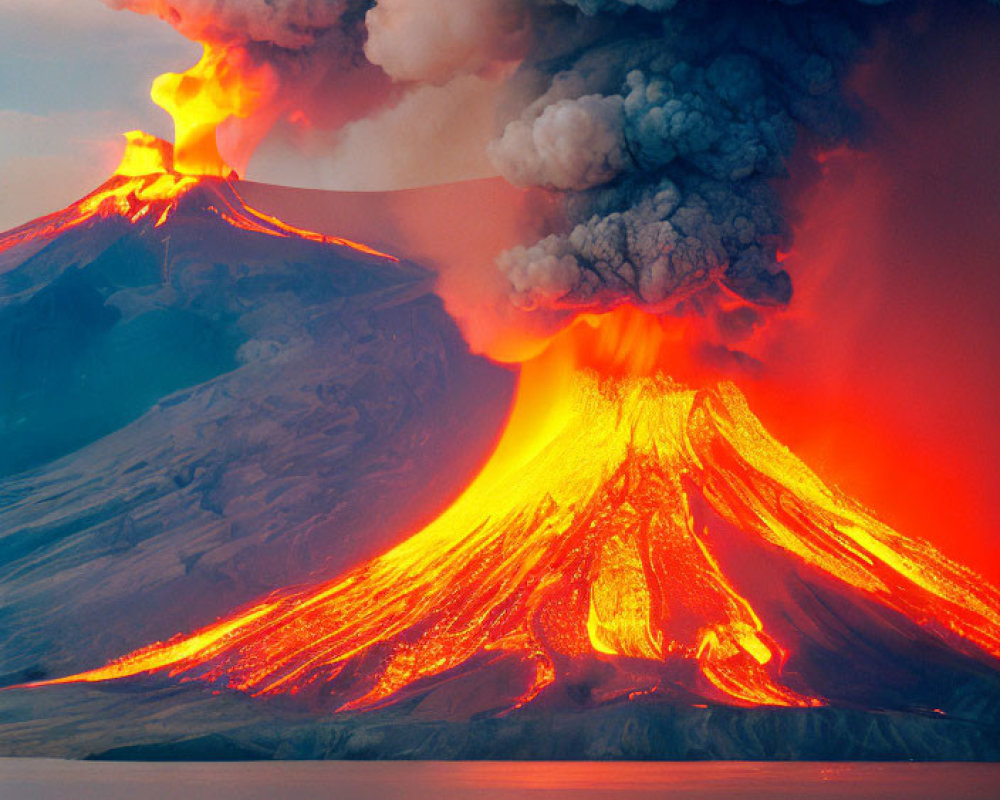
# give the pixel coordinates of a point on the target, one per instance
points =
(218, 87)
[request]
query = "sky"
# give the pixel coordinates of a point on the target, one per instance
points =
(73, 75)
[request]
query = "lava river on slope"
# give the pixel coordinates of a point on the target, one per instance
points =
(630, 535)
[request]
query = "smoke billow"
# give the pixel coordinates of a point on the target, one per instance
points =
(663, 126)
(434, 40)
(290, 24)
(666, 134)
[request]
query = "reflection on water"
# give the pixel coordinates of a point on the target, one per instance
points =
(42, 779)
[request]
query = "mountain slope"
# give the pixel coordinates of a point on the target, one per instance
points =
(202, 402)
(621, 555)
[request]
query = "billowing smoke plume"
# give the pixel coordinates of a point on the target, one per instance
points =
(291, 24)
(663, 125)
(665, 133)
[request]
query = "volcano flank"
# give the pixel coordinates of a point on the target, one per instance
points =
(635, 551)
(620, 550)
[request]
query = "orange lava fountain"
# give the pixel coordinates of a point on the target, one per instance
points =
(221, 85)
(586, 538)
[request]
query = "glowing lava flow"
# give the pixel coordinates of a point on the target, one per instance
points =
(146, 186)
(578, 542)
(143, 185)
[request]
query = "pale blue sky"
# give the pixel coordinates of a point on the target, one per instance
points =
(73, 75)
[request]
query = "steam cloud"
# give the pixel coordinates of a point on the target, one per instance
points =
(663, 124)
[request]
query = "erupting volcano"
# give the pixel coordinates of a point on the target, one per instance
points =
(630, 535)
(147, 188)
(636, 539)
(154, 175)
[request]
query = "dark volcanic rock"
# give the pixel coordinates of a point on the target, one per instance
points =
(188, 723)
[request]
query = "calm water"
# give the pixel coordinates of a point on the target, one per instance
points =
(42, 779)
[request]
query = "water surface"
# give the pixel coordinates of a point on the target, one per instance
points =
(41, 779)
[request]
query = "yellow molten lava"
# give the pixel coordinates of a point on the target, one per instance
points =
(144, 182)
(210, 92)
(145, 154)
(594, 532)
